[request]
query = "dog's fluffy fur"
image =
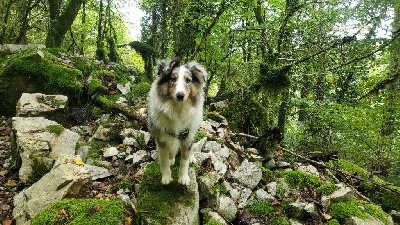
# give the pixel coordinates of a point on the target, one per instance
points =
(175, 112)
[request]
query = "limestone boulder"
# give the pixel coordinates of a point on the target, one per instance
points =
(65, 180)
(248, 174)
(36, 143)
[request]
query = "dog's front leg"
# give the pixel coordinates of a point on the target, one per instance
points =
(164, 154)
(186, 148)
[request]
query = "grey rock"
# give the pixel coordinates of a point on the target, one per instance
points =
(282, 165)
(226, 208)
(30, 105)
(101, 133)
(248, 174)
(274, 187)
(297, 210)
(206, 183)
(65, 180)
(97, 172)
(219, 106)
(198, 146)
(309, 169)
(270, 164)
(211, 216)
(368, 221)
(83, 151)
(341, 195)
(311, 210)
(15, 48)
(294, 222)
(124, 197)
(140, 157)
(124, 89)
(36, 143)
(212, 146)
(244, 196)
(220, 167)
(154, 154)
(130, 141)
(110, 152)
(130, 132)
(262, 195)
(395, 215)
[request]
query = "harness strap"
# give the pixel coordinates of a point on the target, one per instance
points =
(181, 135)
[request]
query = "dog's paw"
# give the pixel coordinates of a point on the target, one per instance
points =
(166, 180)
(185, 180)
(172, 162)
(192, 159)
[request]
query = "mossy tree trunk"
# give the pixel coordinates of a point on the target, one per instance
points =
(393, 87)
(61, 21)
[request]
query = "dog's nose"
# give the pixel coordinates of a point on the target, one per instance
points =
(180, 96)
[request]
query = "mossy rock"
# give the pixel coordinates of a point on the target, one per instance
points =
(86, 66)
(30, 72)
(158, 204)
(298, 178)
(82, 211)
(343, 210)
(386, 198)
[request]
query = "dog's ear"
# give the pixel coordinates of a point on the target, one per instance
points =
(198, 71)
(165, 66)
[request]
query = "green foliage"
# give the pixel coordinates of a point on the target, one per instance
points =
(200, 135)
(39, 169)
(273, 78)
(220, 188)
(96, 112)
(213, 223)
(386, 198)
(157, 198)
(327, 189)
(377, 212)
(77, 211)
(267, 175)
(55, 129)
(246, 114)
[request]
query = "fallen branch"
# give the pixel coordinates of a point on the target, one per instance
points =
(232, 145)
(345, 173)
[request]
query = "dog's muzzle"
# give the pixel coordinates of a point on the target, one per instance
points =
(180, 96)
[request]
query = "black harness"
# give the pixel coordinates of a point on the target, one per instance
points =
(181, 135)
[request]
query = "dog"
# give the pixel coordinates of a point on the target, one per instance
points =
(175, 112)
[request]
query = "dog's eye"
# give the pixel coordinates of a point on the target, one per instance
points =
(173, 79)
(188, 81)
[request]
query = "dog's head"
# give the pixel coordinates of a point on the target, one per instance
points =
(180, 82)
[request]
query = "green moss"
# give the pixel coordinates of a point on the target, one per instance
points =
(96, 112)
(267, 175)
(55, 129)
(200, 135)
(212, 116)
(39, 169)
(260, 208)
(213, 223)
(288, 157)
(386, 198)
(327, 189)
(139, 90)
(280, 219)
(16, 160)
(77, 211)
(30, 72)
(86, 66)
(377, 212)
(349, 167)
(333, 222)
(96, 88)
(298, 178)
(343, 210)
(155, 200)
(57, 50)
(273, 78)
(141, 142)
(126, 184)
(96, 144)
(219, 188)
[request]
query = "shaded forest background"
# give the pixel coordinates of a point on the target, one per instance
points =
(325, 71)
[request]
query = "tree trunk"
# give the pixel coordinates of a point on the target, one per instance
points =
(283, 111)
(5, 21)
(303, 105)
(100, 53)
(25, 25)
(393, 88)
(60, 22)
(83, 36)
